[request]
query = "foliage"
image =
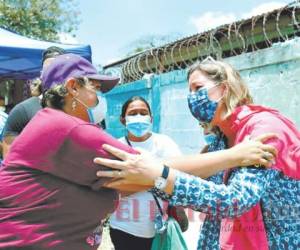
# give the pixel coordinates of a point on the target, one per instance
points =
(39, 19)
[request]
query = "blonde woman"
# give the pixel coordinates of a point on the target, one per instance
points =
(258, 207)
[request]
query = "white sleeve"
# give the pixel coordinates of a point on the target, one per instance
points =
(169, 147)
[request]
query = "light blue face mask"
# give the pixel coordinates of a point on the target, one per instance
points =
(138, 125)
(210, 138)
(98, 112)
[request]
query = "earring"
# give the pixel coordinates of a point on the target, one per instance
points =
(74, 105)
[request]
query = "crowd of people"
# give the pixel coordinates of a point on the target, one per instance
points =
(64, 178)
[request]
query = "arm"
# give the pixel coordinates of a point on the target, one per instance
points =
(211, 163)
(245, 189)
(6, 143)
(15, 123)
(74, 159)
(287, 142)
(205, 165)
(244, 183)
(143, 169)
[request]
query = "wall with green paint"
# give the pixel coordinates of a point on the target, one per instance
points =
(272, 74)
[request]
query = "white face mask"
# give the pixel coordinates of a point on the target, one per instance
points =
(97, 113)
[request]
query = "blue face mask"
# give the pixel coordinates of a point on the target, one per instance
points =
(201, 107)
(138, 125)
(210, 138)
(98, 112)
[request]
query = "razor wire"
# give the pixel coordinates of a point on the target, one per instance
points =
(228, 40)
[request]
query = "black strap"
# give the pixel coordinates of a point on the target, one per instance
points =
(165, 172)
(128, 142)
(158, 205)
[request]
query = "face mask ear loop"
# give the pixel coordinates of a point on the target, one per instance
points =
(80, 102)
(216, 85)
(98, 93)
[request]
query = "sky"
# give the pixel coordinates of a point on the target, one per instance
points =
(109, 26)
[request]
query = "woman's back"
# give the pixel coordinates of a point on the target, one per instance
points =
(50, 195)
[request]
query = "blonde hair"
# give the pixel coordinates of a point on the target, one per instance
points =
(237, 92)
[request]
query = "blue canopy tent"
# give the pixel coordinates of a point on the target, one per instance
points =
(20, 57)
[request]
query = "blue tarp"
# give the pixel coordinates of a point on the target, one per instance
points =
(20, 57)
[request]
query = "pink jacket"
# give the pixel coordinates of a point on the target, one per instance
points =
(255, 120)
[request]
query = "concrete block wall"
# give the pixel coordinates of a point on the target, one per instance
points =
(273, 75)
(176, 119)
(115, 100)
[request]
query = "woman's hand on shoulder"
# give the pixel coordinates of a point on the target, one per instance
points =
(139, 169)
(254, 152)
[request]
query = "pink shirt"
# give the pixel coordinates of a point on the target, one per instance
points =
(50, 196)
(254, 120)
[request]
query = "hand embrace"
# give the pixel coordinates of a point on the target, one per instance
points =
(254, 152)
(140, 169)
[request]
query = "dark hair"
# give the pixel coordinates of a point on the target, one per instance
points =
(37, 85)
(52, 52)
(132, 99)
(55, 96)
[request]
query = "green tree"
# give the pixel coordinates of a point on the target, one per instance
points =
(39, 19)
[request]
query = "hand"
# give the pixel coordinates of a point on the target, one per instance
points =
(254, 152)
(140, 169)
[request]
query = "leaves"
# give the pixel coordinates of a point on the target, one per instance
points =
(39, 19)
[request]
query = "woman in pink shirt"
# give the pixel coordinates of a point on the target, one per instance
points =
(50, 197)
